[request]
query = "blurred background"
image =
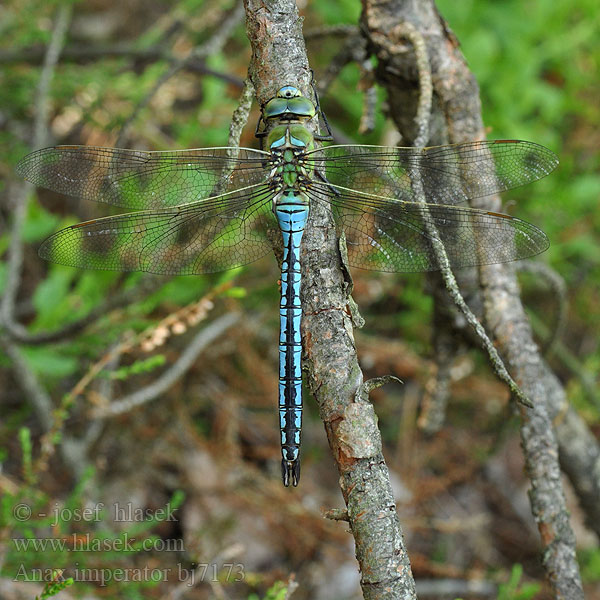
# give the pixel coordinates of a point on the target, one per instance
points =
(207, 444)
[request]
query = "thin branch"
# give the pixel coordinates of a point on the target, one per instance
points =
(437, 388)
(422, 121)
(565, 356)
(456, 588)
(559, 292)
(20, 334)
(63, 18)
(25, 376)
(353, 50)
(367, 118)
(202, 339)
(23, 191)
(337, 514)
(148, 340)
(410, 32)
(20, 194)
(240, 114)
(211, 46)
(341, 29)
(29, 383)
(82, 53)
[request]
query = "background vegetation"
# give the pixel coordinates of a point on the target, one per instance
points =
(209, 445)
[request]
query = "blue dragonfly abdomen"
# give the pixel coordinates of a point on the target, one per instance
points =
(291, 210)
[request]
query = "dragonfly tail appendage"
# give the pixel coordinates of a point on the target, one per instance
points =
(290, 472)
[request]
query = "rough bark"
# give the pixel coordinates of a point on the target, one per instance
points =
(457, 118)
(330, 360)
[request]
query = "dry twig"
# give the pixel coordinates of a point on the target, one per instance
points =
(458, 101)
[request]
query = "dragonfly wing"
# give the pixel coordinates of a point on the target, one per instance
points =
(136, 179)
(449, 174)
(204, 237)
(384, 234)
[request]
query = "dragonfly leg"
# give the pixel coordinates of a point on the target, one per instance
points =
(328, 183)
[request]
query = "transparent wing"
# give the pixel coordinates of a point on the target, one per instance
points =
(135, 179)
(450, 174)
(204, 237)
(383, 234)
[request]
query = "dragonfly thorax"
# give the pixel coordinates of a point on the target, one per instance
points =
(288, 145)
(290, 135)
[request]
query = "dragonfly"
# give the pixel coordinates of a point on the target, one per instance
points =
(211, 209)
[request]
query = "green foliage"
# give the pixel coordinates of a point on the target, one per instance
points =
(51, 295)
(39, 223)
(26, 449)
(589, 560)
(554, 44)
(236, 292)
(140, 366)
(50, 363)
(51, 588)
(2, 276)
(278, 591)
(341, 11)
(513, 589)
(68, 294)
(74, 534)
(179, 291)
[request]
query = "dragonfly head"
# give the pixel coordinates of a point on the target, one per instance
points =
(289, 105)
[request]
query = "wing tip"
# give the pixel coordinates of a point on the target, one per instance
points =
(22, 168)
(546, 158)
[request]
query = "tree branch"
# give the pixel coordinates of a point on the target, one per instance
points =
(458, 118)
(559, 291)
(78, 53)
(334, 375)
(422, 123)
(21, 197)
(30, 385)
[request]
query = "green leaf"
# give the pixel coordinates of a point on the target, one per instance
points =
(39, 223)
(50, 298)
(49, 361)
(140, 366)
(236, 292)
